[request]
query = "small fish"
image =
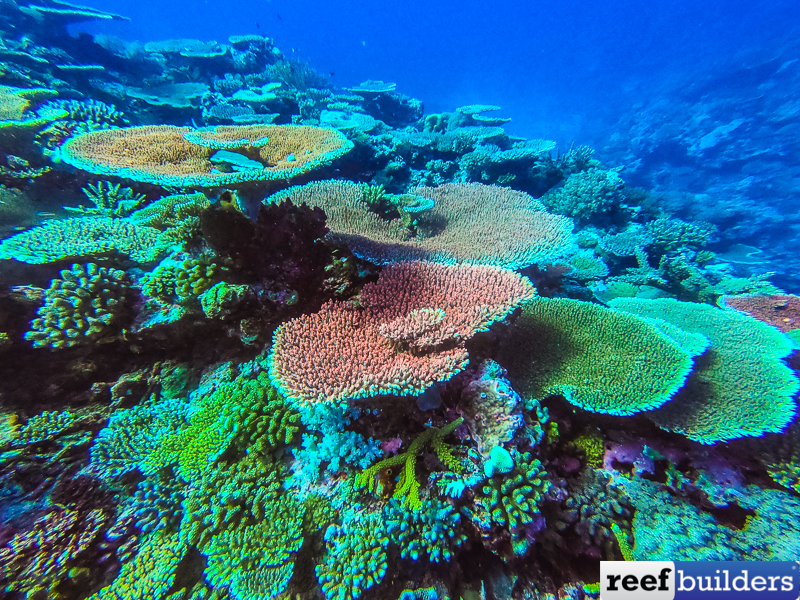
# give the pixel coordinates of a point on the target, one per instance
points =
(280, 18)
(257, 25)
(332, 73)
(363, 43)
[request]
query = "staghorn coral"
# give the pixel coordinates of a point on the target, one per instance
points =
(181, 156)
(82, 306)
(355, 559)
(109, 199)
(394, 342)
(82, 237)
(739, 388)
(461, 226)
(599, 359)
(408, 487)
(433, 531)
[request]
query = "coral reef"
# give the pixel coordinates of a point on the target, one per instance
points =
(460, 227)
(740, 386)
(255, 330)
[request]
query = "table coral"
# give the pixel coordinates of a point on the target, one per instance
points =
(61, 239)
(389, 345)
(461, 227)
(779, 310)
(740, 386)
(599, 359)
(181, 156)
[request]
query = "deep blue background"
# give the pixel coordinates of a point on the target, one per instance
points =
(562, 69)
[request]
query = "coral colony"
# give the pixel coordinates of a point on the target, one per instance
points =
(266, 339)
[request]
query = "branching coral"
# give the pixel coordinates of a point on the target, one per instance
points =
(432, 531)
(80, 307)
(587, 194)
(595, 504)
(151, 572)
(407, 489)
(221, 449)
(511, 500)
(181, 279)
(355, 559)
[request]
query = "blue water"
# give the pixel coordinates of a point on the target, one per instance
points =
(561, 70)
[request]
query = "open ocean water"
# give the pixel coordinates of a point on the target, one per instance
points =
(305, 300)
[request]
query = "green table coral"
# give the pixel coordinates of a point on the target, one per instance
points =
(599, 359)
(740, 387)
(61, 239)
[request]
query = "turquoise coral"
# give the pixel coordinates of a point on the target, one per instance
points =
(433, 531)
(214, 470)
(355, 559)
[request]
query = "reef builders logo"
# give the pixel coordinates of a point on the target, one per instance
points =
(665, 580)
